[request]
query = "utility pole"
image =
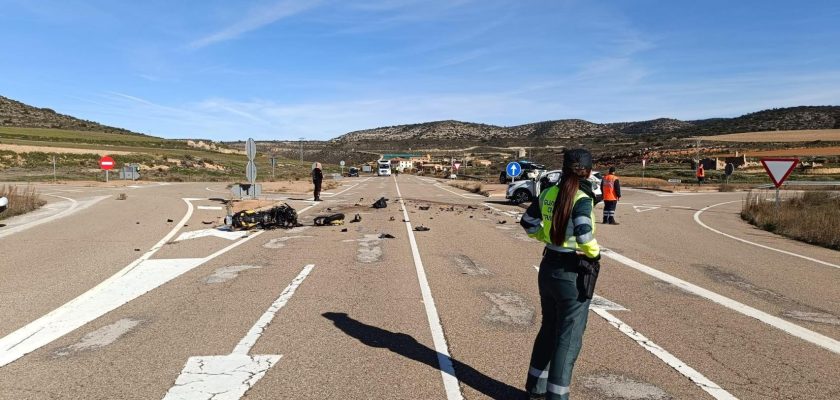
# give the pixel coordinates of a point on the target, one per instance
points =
(301, 149)
(54, 174)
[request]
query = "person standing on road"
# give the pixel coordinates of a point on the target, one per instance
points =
(701, 173)
(612, 193)
(563, 217)
(317, 178)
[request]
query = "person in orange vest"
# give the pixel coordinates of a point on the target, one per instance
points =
(701, 173)
(612, 193)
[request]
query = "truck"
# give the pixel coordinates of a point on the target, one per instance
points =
(528, 190)
(4, 204)
(383, 168)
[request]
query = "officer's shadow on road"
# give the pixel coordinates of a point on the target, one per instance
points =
(406, 346)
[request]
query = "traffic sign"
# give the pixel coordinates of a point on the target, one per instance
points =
(513, 169)
(456, 165)
(341, 163)
(779, 168)
(251, 149)
(251, 172)
(106, 163)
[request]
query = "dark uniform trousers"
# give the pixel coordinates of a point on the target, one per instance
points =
(564, 316)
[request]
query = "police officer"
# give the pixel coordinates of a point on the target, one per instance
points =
(562, 217)
(612, 193)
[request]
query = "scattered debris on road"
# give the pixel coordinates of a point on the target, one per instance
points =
(357, 218)
(122, 196)
(331, 220)
(422, 228)
(381, 203)
(424, 208)
(386, 236)
(502, 222)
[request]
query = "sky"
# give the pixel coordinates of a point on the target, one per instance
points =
(290, 69)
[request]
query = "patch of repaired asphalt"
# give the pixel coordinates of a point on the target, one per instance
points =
(278, 243)
(523, 237)
(469, 267)
(796, 310)
(610, 386)
(369, 250)
(225, 274)
(509, 308)
(100, 337)
(667, 287)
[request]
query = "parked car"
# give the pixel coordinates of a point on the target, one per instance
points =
(4, 204)
(528, 190)
(353, 171)
(530, 170)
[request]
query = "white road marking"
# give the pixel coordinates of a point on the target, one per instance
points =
(793, 329)
(351, 187)
(216, 191)
(447, 371)
(136, 279)
(229, 235)
(684, 207)
(640, 209)
(697, 219)
(438, 185)
(601, 306)
(230, 376)
(508, 213)
(24, 222)
(209, 207)
(699, 379)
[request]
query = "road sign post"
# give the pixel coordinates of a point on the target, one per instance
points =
(513, 169)
(342, 167)
(251, 167)
(106, 163)
(779, 169)
(644, 162)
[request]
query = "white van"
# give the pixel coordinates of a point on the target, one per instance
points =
(383, 168)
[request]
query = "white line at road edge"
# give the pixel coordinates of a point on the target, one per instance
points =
(447, 371)
(793, 329)
(699, 379)
(119, 289)
(697, 219)
(74, 207)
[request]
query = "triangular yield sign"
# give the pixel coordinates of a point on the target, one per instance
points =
(779, 168)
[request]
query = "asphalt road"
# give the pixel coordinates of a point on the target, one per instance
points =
(141, 298)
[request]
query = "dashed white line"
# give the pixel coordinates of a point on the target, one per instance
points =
(447, 371)
(697, 219)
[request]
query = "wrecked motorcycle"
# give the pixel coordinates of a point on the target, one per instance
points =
(283, 216)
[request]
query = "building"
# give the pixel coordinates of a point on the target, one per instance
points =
(401, 164)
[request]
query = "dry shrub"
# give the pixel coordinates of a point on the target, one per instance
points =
(812, 217)
(470, 186)
(20, 201)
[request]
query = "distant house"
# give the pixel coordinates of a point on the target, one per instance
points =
(401, 164)
(482, 163)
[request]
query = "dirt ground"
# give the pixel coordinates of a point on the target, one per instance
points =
(830, 135)
(47, 149)
(296, 186)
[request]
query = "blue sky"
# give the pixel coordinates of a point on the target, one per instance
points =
(270, 69)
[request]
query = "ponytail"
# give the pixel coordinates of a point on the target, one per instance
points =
(563, 205)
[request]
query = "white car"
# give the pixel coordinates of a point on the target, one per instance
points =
(4, 204)
(527, 191)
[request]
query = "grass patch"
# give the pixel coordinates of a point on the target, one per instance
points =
(20, 201)
(470, 186)
(812, 217)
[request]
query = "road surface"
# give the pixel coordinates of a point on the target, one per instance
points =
(142, 298)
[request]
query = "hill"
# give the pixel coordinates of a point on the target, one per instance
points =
(792, 118)
(16, 114)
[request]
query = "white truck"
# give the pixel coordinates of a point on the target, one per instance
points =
(383, 168)
(4, 204)
(528, 190)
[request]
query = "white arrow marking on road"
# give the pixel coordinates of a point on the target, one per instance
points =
(229, 235)
(137, 278)
(209, 207)
(601, 306)
(644, 208)
(229, 377)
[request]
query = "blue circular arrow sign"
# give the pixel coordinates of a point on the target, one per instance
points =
(513, 169)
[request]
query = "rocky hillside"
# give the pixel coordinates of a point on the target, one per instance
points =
(16, 114)
(794, 118)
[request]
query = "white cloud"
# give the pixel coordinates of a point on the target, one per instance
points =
(255, 19)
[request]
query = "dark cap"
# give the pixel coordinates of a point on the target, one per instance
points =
(577, 158)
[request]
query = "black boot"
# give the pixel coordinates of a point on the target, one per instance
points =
(605, 220)
(612, 221)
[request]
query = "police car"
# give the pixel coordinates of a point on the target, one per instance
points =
(528, 190)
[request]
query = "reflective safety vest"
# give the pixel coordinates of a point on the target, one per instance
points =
(701, 172)
(608, 187)
(585, 242)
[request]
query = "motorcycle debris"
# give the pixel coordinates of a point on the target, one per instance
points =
(344, 230)
(387, 236)
(421, 228)
(502, 222)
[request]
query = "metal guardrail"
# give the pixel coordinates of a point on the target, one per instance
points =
(801, 183)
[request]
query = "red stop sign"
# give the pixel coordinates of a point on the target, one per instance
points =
(106, 163)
